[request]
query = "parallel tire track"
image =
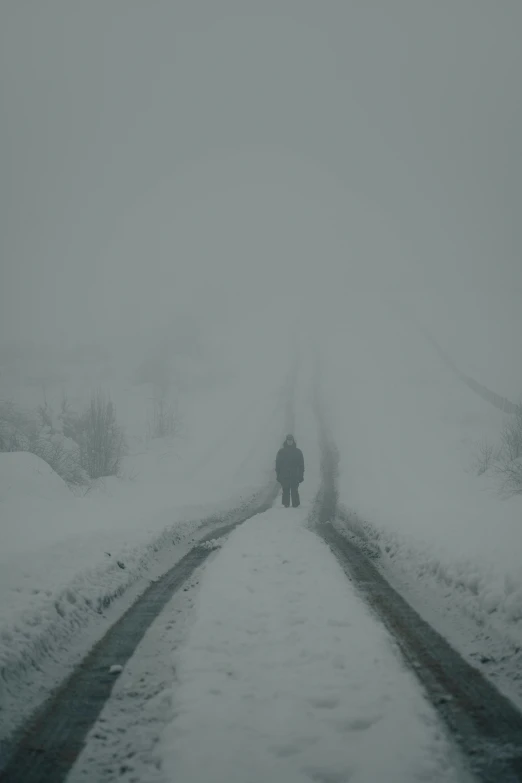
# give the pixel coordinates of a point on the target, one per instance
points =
(48, 747)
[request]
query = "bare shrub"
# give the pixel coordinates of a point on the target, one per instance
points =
(70, 421)
(510, 473)
(486, 455)
(101, 439)
(509, 463)
(511, 437)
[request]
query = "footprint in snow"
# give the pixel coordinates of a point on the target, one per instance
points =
(323, 775)
(286, 749)
(355, 724)
(324, 702)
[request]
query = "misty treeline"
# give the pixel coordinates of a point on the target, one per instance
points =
(87, 442)
(79, 446)
(504, 459)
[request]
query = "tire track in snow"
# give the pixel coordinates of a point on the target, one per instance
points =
(47, 748)
(485, 724)
(26, 744)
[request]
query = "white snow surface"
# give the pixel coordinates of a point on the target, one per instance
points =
(286, 676)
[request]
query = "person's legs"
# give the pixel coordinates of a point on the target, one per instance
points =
(295, 495)
(286, 495)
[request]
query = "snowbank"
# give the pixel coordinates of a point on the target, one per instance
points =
(24, 475)
(64, 584)
(408, 432)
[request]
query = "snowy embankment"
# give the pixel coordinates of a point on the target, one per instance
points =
(71, 564)
(68, 556)
(408, 431)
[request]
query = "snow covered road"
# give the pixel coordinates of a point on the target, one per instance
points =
(286, 676)
(271, 667)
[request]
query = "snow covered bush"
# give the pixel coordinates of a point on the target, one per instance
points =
(78, 447)
(511, 437)
(100, 438)
(510, 474)
(37, 434)
(506, 460)
(70, 421)
(508, 466)
(62, 454)
(17, 427)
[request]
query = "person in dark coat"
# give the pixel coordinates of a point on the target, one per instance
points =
(290, 470)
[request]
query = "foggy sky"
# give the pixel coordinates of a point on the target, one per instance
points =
(165, 155)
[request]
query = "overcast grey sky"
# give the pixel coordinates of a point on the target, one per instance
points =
(158, 155)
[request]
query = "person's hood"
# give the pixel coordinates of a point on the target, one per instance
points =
(287, 446)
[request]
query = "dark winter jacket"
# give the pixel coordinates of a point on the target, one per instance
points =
(290, 465)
